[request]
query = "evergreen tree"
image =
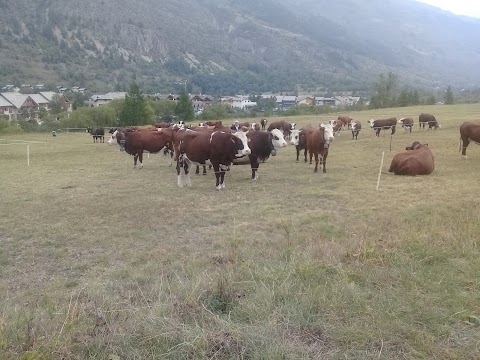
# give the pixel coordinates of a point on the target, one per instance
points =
(384, 91)
(184, 108)
(431, 100)
(135, 109)
(448, 96)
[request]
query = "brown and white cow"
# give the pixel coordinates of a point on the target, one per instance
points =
(299, 139)
(337, 126)
(283, 126)
(137, 142)
(262, 144)
(469, 132)
(417, 160)
(263, 122)
(318, 142)
(218, 148)
(384, 124)
(356, 127)
(428, 119)
(346, 120)
(407, 124)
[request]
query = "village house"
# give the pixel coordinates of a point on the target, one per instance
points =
(99, 100)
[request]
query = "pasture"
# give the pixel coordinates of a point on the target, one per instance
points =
(102, 261)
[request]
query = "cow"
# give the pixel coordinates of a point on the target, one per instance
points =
(263, 122)
(337, 126)
(262, 144)
(137, 142)
(407, 123)
(97, 134)
(283, 126)
(318, 142)
(468, 132)
(380, 124)
(417, 160)
(346, 120)
(356, 127)
(162, 125)
(218, 148)
(428, 119)
(299, 139)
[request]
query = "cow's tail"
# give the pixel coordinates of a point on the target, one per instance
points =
(460, 144)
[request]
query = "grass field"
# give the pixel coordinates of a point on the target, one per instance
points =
(102, 261)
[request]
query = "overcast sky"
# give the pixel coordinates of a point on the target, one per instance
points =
(459, 7)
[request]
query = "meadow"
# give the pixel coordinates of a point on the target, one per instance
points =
(102, 261)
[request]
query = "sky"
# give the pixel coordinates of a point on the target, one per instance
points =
(459, 7)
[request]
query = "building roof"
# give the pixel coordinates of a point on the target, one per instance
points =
(15, 98)
(48, 94)
(40, 99)
(4, 102)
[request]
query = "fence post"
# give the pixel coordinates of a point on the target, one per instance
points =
(380, 171)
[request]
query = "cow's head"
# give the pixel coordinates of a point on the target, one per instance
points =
(295, 137)
(416, 145)
(278, 141)
(328, 135)
(112, 130)
(245, 150)
(114, 138)
(353, 124)
(371, 122)
(332, 122)
(89, 130)
(293, 126)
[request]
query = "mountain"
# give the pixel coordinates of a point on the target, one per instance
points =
(228, 46)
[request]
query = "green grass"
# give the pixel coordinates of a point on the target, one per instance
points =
(99, 259)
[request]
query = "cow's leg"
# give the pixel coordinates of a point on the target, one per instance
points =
(216, 168)
(179, 175)
(197, 170)
(254, 164)
(353, 135)
(298, 151)
(324, 161)
(316, 161)
(140, 158)
(204, 170)
(187, 166)
(465, 143)
(305, 154)
(222, 179)
(393, 130)
(135, 158)
(311, 157)
(378, 132)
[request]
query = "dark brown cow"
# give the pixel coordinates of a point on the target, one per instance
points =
(417, 160)
(97, 134)
(346, 120)
(407, 123)
(283, 126)
(218, 148)
(427, 119)
(299, 139)
(137, 142)
(318, 142)
(262, 144)
(469, 132)
(263, 122)
(385, 124)
(356, 127)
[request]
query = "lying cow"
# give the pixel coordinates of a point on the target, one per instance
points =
(137, 142)
(283, 126)
(262, 144)
(356, 127)
(407, 124)
(384, 124)
(218, 148)
(417, 160)
(428, 119)
(469, 132)
(318, 142)
(97, 134)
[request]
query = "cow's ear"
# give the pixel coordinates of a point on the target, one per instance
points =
(322, 125)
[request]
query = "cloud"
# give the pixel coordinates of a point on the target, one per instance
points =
(459, 7)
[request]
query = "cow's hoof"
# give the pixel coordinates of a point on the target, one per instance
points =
(464, 157)
(218, 188)
(223, 185)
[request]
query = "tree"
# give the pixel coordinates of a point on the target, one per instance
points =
(448, 99)
(56, 104)
(430, 100)
(384, 91)
(135, 109)
(184, 108)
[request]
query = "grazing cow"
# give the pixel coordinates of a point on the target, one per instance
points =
(262, 144)
(378, 125)
(346, 120)
(283, 126)
(428, 119)
(318, 142)
(356, 127)
(137, 142)
(417, 160)
(218, 148)
(299, 139)
(97, 134)
(469, 132)
(407, 123)
(263, 122)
